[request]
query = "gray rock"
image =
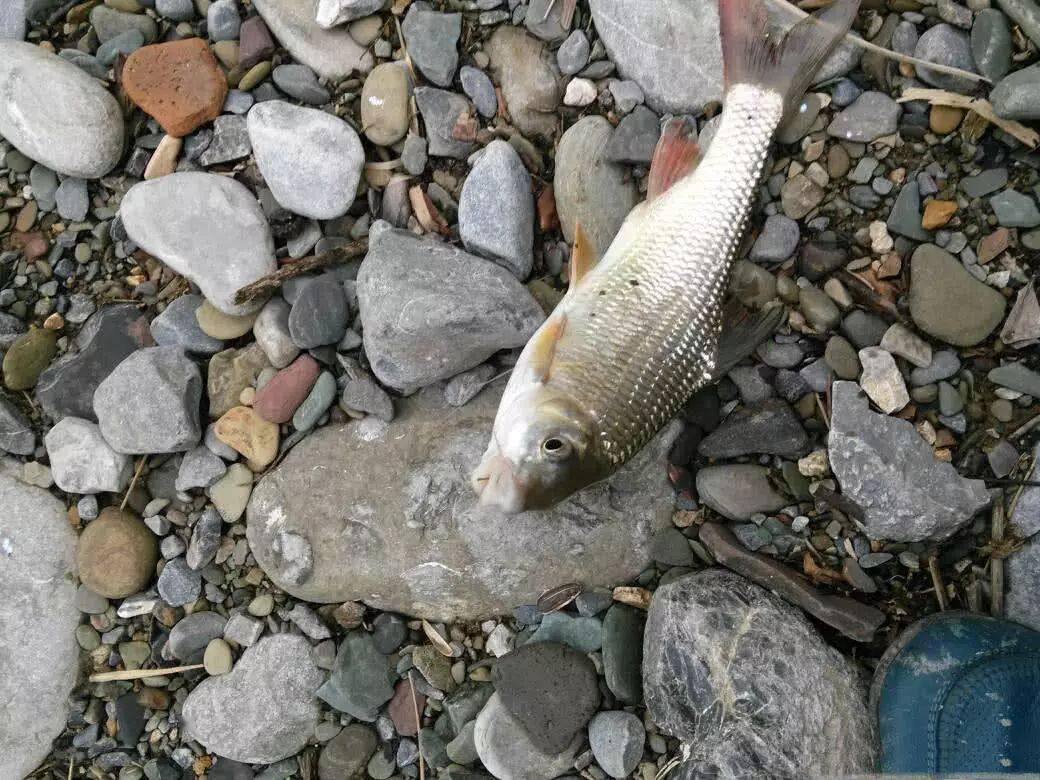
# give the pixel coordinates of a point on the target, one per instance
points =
(1013, 209)
(506, 750)
(463, 388)
(947, 302)
(616, 739)
(230, 141)
(362, 394)
(163, 216)
(496, 210)
(188, 639)
(945, 364)
(299, 81)
(179, 584)
(777, 241)
(333, 54)
(81, 460)
(125, 43)
(199, 468)
(38, 618)
(469, 561)
(12, 20)
(635, 138)
(271, 331)
(768, 427)
(243, 630)
(430, 310)
(318, 400)
(573, 54)
(991, 44)
(589, 188)
(1026, 518)
(332, 13)
(905, 218)
(432, 39)
(414, 155)
(311, 160)
(1016, 376)
(945, 45)
(872, 115)
(360, 682)
(440, 110)
(150, 403)
(478, 87)
(16, 433)
(714, 678)
(1022, 570)
(265, 709)
(985, 182)
(627, 95)
(1026, 14)
(1015, 97)
(738, 490)
(864, 329)
(526, 70)
(581, 633)
(67, 386)
(346, 754)
(178, 326)
(320, 314)
(39, 93)
(44, 183)
(623, 652)
(11, 328)
(543, 20)
(222, 21)
(885, 467)
(109, 23)
(176, 10)
(71, 199)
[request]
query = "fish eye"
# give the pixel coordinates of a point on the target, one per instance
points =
(556, 448)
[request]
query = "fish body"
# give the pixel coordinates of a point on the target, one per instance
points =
(637, 334)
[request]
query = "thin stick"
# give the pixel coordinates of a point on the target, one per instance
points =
(130, 489)
(140, 674)
(937, 582)
(1027, 427)
(888, 53)
(996, 569)
(1018, 493)
(268, 284)
(418, 729)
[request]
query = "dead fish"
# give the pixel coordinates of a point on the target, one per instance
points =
(638, 332)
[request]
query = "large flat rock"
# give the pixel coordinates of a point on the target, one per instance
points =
(386, 514)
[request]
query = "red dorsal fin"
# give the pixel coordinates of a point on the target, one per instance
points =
(676, 155)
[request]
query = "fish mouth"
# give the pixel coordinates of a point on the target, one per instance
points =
(497, 485)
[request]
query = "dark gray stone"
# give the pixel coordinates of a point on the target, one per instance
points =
(360, 682)
(747, 685)
(991, 44)
(16, 433)
(905, 218)
(205, 537)
(477, 85)
(178, 584)
(635, 138)
(230, 141)
(616, 739)
(188, 639)
(177, 326)
(945, 45)
(872, 115)
(738, 490)
(346, 754)
(440, 110)
(623, 652)
(768, 427)
(984, 183)
(573, 54)
(320, 314)
(432, 40)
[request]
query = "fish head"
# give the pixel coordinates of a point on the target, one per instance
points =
(543, 449)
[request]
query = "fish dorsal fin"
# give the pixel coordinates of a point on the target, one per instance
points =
(543, 346)
(676, 155)
(583, 256)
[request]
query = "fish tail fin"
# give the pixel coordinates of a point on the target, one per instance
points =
(785, 64)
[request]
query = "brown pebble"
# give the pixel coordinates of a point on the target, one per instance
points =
(944, 119)
(937, 213)
(116, 554)
(402, 708)
(164, 158)
(250, 435)
(178, 83)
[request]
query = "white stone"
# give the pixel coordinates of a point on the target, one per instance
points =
(882, 381)
(332, 54)
(82, 461)
(271, 331)
(580, 92)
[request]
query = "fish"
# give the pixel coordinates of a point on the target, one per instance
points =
(638, 331)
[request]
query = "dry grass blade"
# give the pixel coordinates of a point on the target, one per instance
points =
(981, 106)
(418, 723)
(130, 488)
(937, 582)
(141, 674)
(437, 640)
(888, 53)
(557, 598)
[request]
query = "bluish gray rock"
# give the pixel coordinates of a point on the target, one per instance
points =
(16, 433)
(777, 241)
(191, 634)
(223, 21)
(1014, 209)
(1026, 14)
(616, 738)
(300, 82)
(714, 678)
(945, 45)
(72, 199)
(82, 462)
(311, 160)
(503, 745)
(432, 39)
(177, 326)
(496, 210)
(635, 138)
(199, 468)
(1023, 578)
(39, 617)
(150, 403)
(474, 563)
(768, 427)
(991, 44)
(332, 13)
(889, 471)
(109, 23)
(176, 10)
(573, 54)
(360, 682)
(319, 316)
(178, 584)
(477, 85)
(1018, 96)
(440, 111)
(205, 539)
(265, 709)
(164, 218)
(738, 490)
(332, 54)
(56, 114)
(872, 115)
(430, 311)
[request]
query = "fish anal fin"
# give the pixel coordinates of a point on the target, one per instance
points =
(543, 346)
(583, 256)
(675, 157)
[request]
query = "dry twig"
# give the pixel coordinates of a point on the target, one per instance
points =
(140, 674)
(268, 284)
(996, 568)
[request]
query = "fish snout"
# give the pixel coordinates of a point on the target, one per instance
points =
(496, 483)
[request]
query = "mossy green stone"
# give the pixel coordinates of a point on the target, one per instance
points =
(27, 357)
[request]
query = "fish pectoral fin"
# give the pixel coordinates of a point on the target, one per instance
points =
(543, 346)
(583, 256)
(675, 157)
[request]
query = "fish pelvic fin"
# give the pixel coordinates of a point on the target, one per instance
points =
(676, 156)
(782, 63)
(583, 256)
(543, 346)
